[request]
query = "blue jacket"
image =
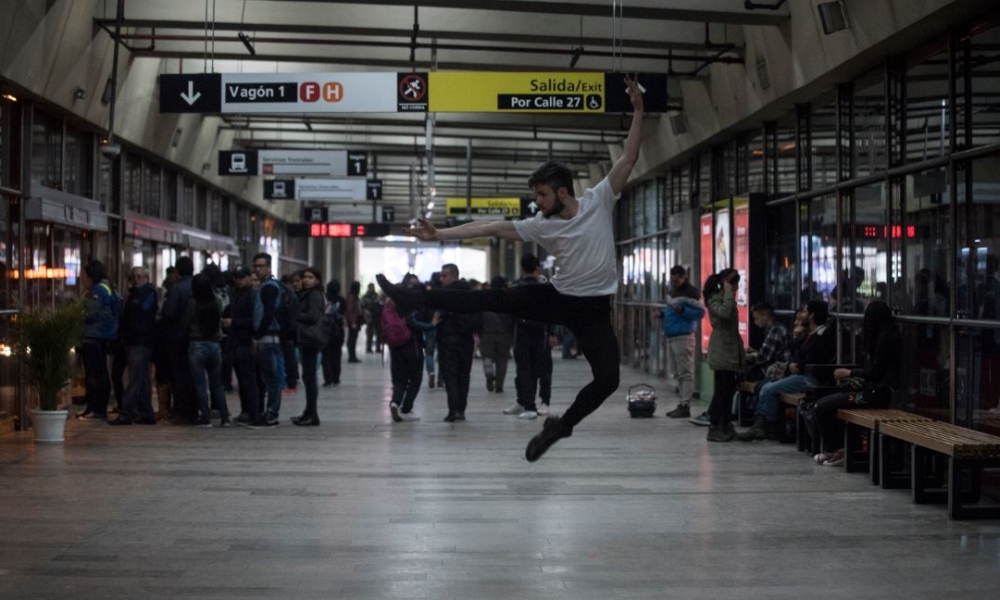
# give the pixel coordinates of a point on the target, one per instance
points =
(100, 312)
(684, 322)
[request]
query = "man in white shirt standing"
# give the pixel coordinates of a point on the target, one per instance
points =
(579, 233)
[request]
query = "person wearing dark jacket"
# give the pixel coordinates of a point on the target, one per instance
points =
(880, 377)
(312, 336)
(203, 318)
(818, 348)
(494, 343)
(267, 332)
(725, 351)
(456, 346)
(138, 329)
(354, 320)
(532, 354)
(176, 337)
(238, 320)
(406, 362)
(100, 328)
(336, 305)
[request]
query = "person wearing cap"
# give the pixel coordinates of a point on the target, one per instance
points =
(238, 322)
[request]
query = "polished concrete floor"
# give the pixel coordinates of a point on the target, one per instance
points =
(365, 508)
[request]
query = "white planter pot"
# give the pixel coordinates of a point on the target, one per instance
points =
(49, 425)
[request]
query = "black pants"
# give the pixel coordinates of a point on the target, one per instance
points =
(181, 383)
(119, 363)
(291, 364)
(352, 344)
(720, 411)
(310, 356)
(831, 429)
(227, 363)
(588, 317)
(244, 364)
(455, 355)
(406, 363)
(331, 356)
(529, 360)
(95, 371)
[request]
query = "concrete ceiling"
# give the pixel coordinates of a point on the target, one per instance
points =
(679, 37)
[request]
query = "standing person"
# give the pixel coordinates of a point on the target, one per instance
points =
(267, 332)
(176, 339)
(313, 334)
(203, 316)
(239, 321)
(371, 310)
(138, 328)
(725, 351)
(580, 233)
(681, 315)
(456, 345)
(161, 354)
(100, 328)
(335, 307)
(532, 354)
(291, 363)
(405, 357)
(354, 319)
(880, 376)
(494, 343)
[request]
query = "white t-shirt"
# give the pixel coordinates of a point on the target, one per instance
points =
(584, 246)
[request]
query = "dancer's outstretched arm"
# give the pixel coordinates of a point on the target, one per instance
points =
(623, 166)
(427, 232)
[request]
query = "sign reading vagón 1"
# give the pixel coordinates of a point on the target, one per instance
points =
(308, 92)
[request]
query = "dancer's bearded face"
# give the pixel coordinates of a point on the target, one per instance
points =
(548, 200)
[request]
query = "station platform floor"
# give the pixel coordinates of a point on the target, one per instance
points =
(364, 508)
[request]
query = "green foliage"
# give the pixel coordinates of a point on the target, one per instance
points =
(45, 337)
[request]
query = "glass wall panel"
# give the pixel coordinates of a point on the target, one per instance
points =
(201, 207)
(78, 164)
(704, 178)
(46, 150)
(866, 256)
(823, 127)
(186, 209)
(755, 162)
(786, 154)
(984, 54)
(925, 369)
(869, 125)
(151, 188)
(214, 213)
(132, 182)
(168, 207)
(651, 205)
(105, 171)
(782, 256)
(926, 238)
(927, 108)
(819, 249)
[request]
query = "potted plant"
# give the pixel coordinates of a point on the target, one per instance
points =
(45, 337)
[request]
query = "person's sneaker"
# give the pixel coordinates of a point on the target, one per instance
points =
(835, 460)
(756, 433)
(407, 299)
(225, 422)
(543, 410)
(822, 457)
(289, 390)
(552, 430)
(460, 416)
(394, 409)
(242, 420)
(265, 423)
(430, 380)
(683, 411)
(92, 417)
(719, 434)
(513, 410)
(451, 418)
(204, 424)
(701, 420)
(489, 383)
(408, 417)
(528, 414)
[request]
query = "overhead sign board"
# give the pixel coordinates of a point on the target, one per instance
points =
(336, 230)
(353, 213)
(324, 163)
(495, 208)
(439, 91)
(321, 190)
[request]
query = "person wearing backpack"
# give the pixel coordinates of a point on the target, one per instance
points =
(102, 307)
(138, 329)
(176, 340)
(312, 337)
(332, 352)
(456, 346)
(402, 336)
(269, 311)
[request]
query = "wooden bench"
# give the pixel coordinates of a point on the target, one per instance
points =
(967, 450)
(856, 419)
(789, 400)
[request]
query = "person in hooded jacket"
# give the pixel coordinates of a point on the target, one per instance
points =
(100, 328)
(725, 351)
(313, 335)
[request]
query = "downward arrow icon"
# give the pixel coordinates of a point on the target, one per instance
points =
(190, 97)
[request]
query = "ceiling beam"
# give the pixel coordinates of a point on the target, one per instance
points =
(428, 34)
(587, 10)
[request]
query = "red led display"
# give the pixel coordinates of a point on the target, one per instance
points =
(334, 230)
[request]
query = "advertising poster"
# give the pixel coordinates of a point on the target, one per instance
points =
(707, 261)
(741, 262)
(723, 245)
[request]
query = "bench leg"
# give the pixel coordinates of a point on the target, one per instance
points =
(889, 479)
(852, 460)
(800, 431)
(955, 490)
(874, 455)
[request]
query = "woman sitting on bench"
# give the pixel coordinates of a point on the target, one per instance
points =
(880, 376)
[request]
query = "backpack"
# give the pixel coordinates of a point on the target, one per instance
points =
(286, 311)
(395, 331)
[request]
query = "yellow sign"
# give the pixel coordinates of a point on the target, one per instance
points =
(516, 92)
(484, 207)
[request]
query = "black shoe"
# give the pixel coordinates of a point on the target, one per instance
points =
(489, 383)
(683, 411)
(225, 422)
(353, 360)
(721, 433)
(121, 421)
(327, 383)
(407, 299)
(460, 416)
(552, 430)
(394, 409)
(265, 423)
(306, 421)
(756, 433)
(451, 418)
(205, 423)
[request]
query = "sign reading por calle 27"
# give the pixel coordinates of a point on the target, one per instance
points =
(439, 91)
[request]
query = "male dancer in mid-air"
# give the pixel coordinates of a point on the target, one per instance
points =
(579, 233)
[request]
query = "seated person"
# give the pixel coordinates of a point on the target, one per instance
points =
(818, 347)
(879, 377)
(775, 347)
